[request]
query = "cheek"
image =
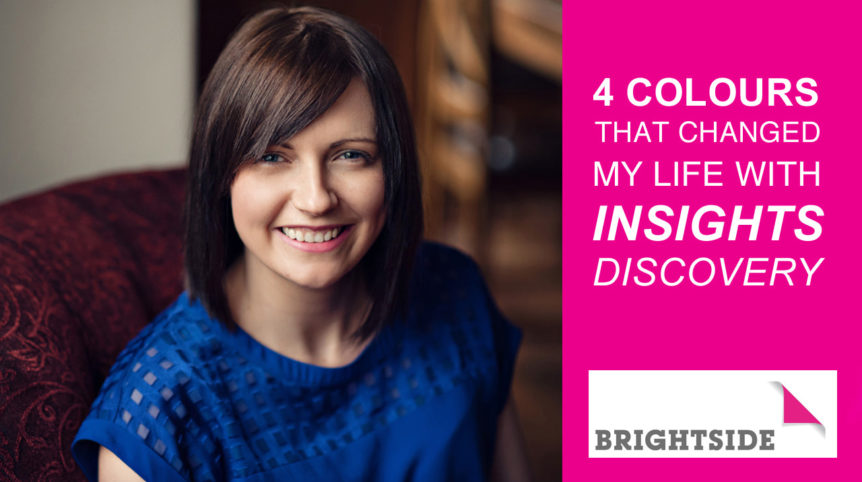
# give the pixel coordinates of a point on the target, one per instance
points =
(239, 210)
(373, 205)
(362, 194)
(252, 205)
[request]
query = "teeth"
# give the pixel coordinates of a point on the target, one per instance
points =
(308, 236)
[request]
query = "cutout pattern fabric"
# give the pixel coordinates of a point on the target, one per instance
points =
(189, 399)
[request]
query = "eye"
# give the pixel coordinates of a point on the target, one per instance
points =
(270, 157)
(354, 156)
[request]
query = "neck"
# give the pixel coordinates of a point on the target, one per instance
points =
(311, 325)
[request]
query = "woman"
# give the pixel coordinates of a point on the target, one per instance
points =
(317, 340)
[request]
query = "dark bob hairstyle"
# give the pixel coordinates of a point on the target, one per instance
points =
(282, 69)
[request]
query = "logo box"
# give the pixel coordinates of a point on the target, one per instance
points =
(713, 414)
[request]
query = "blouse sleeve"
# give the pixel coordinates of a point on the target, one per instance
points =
(140, 416)
(493, 339)
(506, 339)
(131, 418)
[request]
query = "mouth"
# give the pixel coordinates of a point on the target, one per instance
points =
(314, 235)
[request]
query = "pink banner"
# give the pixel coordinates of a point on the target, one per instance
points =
(711, 169)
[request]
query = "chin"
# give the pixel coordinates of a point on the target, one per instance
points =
(315, 281)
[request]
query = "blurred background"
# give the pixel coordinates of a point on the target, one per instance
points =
(89, 87)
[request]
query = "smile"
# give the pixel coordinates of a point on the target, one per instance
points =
(315, 240)
(307, 235)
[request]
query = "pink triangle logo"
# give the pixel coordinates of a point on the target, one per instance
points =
(794, 411)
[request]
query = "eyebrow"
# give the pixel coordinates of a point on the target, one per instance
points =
(337, 143)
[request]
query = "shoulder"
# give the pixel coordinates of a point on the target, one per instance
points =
(448, 291)
(456, 317)
(449, 299)
(172, 350)
(435, 256)
(442, 271)
(147, 407)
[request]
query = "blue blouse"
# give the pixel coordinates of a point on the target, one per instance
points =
(190, 399)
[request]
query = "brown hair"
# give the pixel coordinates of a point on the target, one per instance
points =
(282, 69)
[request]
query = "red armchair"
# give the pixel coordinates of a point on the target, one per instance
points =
(83, 268)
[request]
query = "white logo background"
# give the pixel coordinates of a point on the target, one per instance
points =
(715, 399)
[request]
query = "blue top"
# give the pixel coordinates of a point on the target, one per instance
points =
(190, 399)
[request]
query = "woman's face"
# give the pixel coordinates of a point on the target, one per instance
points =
(308, 210)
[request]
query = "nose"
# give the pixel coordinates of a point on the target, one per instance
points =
(312, 194)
